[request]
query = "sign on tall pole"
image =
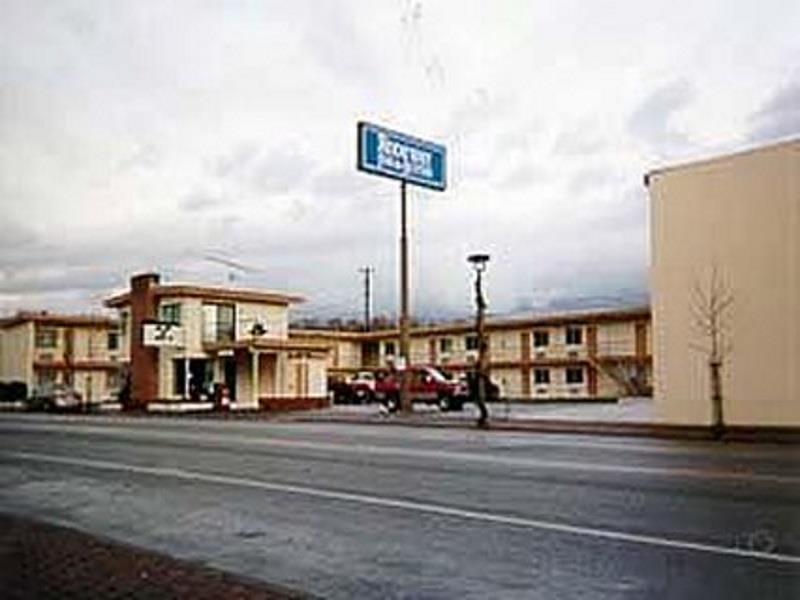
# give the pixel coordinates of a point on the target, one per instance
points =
(413, 161)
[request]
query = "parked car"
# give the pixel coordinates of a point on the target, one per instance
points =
(362, 387)
(357, 389)
(428, 386)
(494, 392)
(57, 398)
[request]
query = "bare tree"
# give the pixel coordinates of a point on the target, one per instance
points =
(710, 305)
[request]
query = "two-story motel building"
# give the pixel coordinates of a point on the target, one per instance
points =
(235, 337)
(571, 355)
(41, 350)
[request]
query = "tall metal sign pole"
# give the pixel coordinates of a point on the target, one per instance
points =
(396, 155)
(405, 342)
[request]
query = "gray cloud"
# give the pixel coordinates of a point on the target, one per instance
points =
(579, 142)
(651, 122)
(280, 171)
(200, 200)
(269, 93)
(593, 178)
(14, 235)
(523, 176)
(144, 156)
(779, 117)
(235, 162)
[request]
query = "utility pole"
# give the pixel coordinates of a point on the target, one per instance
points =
(367, 271)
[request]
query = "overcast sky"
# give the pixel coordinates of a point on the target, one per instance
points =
(149, 135)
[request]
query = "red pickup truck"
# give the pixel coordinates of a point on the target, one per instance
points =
(428, 385)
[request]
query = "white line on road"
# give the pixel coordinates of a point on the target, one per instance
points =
(227, 440)
(423, 507)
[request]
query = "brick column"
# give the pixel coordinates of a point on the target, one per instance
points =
(525, 365)
(641, 341)
(144, 360)
(591, 347)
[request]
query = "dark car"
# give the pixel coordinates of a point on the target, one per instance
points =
(56, 398)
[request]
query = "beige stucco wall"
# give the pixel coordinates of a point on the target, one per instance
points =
(505, 345)
(274, 317)
(16, 357)
(347, 354)
(616, 339)
(510, 381)
(742, 214)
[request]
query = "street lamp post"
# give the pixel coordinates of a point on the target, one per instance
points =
(478, 391)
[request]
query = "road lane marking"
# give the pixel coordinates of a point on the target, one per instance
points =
(455, 456)
(409, 505)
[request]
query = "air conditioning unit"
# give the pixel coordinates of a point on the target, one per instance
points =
(541, 391)
(572, 354)
(540, 354)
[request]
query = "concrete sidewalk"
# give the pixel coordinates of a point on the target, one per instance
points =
(634, 417)
(38, 560)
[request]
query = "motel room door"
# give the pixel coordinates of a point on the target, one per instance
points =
(229, 376)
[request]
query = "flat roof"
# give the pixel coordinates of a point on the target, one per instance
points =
(575, 317)
(700, 162)
(210, 293)
(58, 320)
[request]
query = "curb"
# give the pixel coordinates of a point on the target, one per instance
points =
(737, 433)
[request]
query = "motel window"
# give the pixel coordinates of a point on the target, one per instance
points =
(113, 340)
(226, 322)
(574, 336)
(388, 348)
(445, 345)
(219, 322)
(541, 376)
(170, 313)
(45, 379)
(46, 338)
(471, 342)
(541, 339)
(574, 375)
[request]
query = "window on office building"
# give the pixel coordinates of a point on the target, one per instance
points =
(471, 342)
(219, 322)
(46, 338)
(574, 375)
(574, 336)
(445, 345)
(170, 313)
(541, 339)
(113, 340)
(541, 376)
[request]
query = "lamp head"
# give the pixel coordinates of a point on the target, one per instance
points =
(478, 261)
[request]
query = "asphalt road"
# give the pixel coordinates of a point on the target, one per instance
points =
(346, 511)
